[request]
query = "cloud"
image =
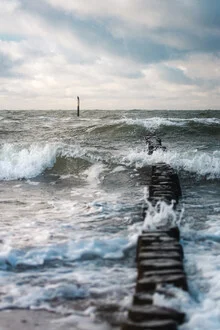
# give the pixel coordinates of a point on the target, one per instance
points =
(151, 14)
(6, 66)
(174, 75)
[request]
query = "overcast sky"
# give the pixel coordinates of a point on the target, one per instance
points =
(114, 54)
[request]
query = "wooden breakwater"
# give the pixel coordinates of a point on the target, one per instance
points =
(159, 261)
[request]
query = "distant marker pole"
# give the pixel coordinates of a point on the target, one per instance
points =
(78, 103)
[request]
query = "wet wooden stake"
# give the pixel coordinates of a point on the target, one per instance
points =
(78, 103)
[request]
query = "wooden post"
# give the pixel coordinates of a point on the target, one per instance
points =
(78, 104)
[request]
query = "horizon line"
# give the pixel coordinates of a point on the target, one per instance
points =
(134, 109)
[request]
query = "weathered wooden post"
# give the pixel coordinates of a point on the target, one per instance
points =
(78, 104)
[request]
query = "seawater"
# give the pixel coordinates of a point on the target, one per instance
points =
(72, 192)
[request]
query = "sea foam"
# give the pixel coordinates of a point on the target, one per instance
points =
(74, 250)
(201, 163)
(28, 161)
(156, 122)
(18, 162)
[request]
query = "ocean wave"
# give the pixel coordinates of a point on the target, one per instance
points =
(201, 163)
(18, 162)
(154, 123)
(28, 161)
(38, 276)
(39, 297)
(79, 250)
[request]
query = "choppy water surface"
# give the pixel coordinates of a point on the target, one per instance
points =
(72, 190)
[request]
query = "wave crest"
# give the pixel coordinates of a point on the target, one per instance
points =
(18, 162)
(154, 123)
(201, 163)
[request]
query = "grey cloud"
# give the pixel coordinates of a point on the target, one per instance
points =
(97, 35)
(146, 47)
(174, 75)
(208, 12)
(178, 77)
(7, 66)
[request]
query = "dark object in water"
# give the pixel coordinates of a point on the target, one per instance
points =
(154, 143)
(78, 105)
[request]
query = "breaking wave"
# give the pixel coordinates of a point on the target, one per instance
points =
(79, 250)
(156, 122)
(201, 163)
(24, 162)
(59, 280)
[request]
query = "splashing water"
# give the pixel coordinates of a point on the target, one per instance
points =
(194, 161)
(18, 162)
(160, 215)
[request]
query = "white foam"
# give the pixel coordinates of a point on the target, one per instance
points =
(93, 174)
(107, 247)
(25, 162)
(202, 163)
(6, 255)
(151, 123)
(118, 169)
(155, 122)
(37, 289)
(202, 313)
(161, 214)
(178, 299)
(28, 161)
(24, 289)
(206, 121)
(32, 296)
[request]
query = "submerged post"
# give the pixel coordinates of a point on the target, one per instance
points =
(78, 104)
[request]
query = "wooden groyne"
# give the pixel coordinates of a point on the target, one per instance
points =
(159, 260)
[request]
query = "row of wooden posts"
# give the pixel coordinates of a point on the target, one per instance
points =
(159, 261)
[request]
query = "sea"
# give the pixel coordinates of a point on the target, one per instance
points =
(72, 191)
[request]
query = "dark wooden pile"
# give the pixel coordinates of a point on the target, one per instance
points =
(165, 184)
(159, 261)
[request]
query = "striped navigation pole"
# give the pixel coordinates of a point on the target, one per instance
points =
(78, 104)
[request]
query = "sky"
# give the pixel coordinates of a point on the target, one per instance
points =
(114, 54)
